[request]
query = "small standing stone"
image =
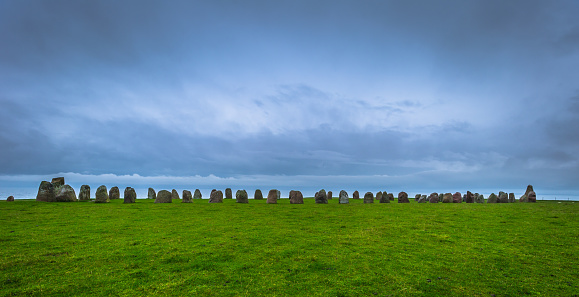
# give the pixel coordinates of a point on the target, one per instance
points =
(447, 198)
(58, 182)
(433, 198)
(241, 196)
(228, 193)
(503, 197)
(369, 197)
(321, 197)
(272, 196)
(164, 196)
(356, 195)
(344, 197)
(197, 194)
(114, 193)
(457, 197)
(422, 199)
(65, 193)
(216, 197)
(379, 195)
(151, 194)
(417, 197)
(187, 197)
(174, 194)
(10, 198)
(384, 197)
(130, 196)
(390, 196)
(84, 194)
(469, 197)
(403, 197)
(46, 192)
(330, 195)
(511, 197)
(440, 197)
(296, 197)
(480, 198)
(532, 197)
(102, 195)
(258, 195)
(493, 198)
(278, 194)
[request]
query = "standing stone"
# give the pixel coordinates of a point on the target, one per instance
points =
(278, 194)
(356, 195)
(480, 198)
(216, 197)
(330, 195)
(241, 196)
(469, 197)
(384, 198)
(493, 198)
(440, 197)
(130, 196)
(10, 199)
(511, 197)
(174, 194)
(525, 197)
(164, 196)
(46, 192)
(344, 197)
(228, 193)
(447, 198)
(529, 189)
(503, 197)
(433, 198)
(65, 194)
(151, 194)
(457, 197)
(422, 199)
(369, 197)
(57, 182)
(417, 197)
(379, 195)
(187, 197)
(197, 194)
(114, 193)
(272, 196)
(258, 195)
(321, 197)
(403, 197)
(464, 198)
(296, 197)
(532, 197)
(390, 196)
(102, 195)
(84, 194)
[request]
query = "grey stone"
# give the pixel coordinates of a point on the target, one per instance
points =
(58, 182)
(130, 196)
(511, 197)
(384, 197)
(174, 194)
(379, 195)
(151, 194)
(84, 194)
(216, 197)
(390, 196)
(114, 193)
(447, 198)
(503, 197)
(228, 193)
(296, 197)
(440, 197)
(422, 199)
(457, 197)
(493, 198)
(65, 193)
(469, 197)
(46, 192)
(272, 196)
(356, 195)
(532, 197)
(164, 196)
(321, 197)
(197, 194)
(329, 195)
(433, 198)
(241, 196)
(480, 198)
(10, 199)
(403, 197)
(187, 197)
(417, 197)
(102, 195)
(258, 195)
(344, 197)
(369, 197)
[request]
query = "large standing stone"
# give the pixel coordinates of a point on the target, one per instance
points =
(532, 197)
(129, 196)
(151, 194)
(493, 198)
(457, 197)
(403, 197)
(511, 197)
(296, 197)
(356, 195)
(10, 199)
(433, 198)
(84, 194)
(384, 197)
(503, 197)
(258, 195)
(272, 196)
(228, 193)
(480, 198)
(57, 182)
(102, 195)
(344, 197)
(529, 189)
(174, 194)
(241, 196)
(321, 197)
(469, 197)
(164, 196)
(440, 197)
(369, 197)
(330, 195)
(197, 194)
(379, 195)
(114, 193)
(447, 198)
(423, 199)
(525, 197)
(187, 197)
(46, 192)
(390, 196)
(216, 197)
(65, 193)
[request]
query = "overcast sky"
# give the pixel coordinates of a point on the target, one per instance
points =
(405, 94)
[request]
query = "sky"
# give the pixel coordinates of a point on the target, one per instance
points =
(429, 95)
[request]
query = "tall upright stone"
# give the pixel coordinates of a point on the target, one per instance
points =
(329, 195)
(164, 196)
(151, 194)
(174, 194)
(403, 197)
(525, 197)
(46, 192)
(10, 199)
(241, 196)
(511, 197)
(296, 197)
(433, 198)
(457, 197)
(321, 197)
(369, 197)
(417, 197)
(503, 197)
(469, 197)
(493, 198)
(344, 197)
(228, 193)
(384, 197)
(480, 198)
(197, 194)
(84, 193)
(114, 193)
(187, 197)
(447, 198)
(58, 182)
(258, 195)
(440, 197)
(272, 197)
(65, 193)
(102, 195)
(216, 197)
(130, 196)
(278, 194)
(532, 197)
(379, 195)
(390, 196)
(356, 195)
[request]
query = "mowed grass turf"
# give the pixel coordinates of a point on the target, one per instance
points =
(259, 249)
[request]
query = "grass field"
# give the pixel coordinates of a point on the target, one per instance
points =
(259, 249)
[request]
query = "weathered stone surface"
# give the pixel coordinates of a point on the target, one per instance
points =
(457, 197)
(384, 198)
(114, 193)
(369, 197)
(164, 196)
(151, 194)
(512, 198)
(529, 189)
(330, 195)
(58, 182)
(421, 199)
(228, 193)
(532, 197)
(503, 197)
(447, 198)
(241, 196)
(523, 198)
(296, 197)
(440, 197)
(356, 195)
(493, 198)
(129, 196)
(464, 198)
(321, 197)
(216, 197)
(174, 194)
(344, 197)
(278, 193)
(379, 195)
(197, 194)
(65, 193)
(272, 196)
(46, 192)
(469, 197)
(390, 196)
(403, 197)
(10, 198)
(433, 198)
(84, 193)
(101, 195)
(258, 195)
(479, 198)
(187, 197)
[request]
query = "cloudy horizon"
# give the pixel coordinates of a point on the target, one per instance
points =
(378, 94)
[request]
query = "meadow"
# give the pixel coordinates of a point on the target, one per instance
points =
(259, 249)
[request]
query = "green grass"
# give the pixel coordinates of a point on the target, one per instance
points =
(257, 249)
